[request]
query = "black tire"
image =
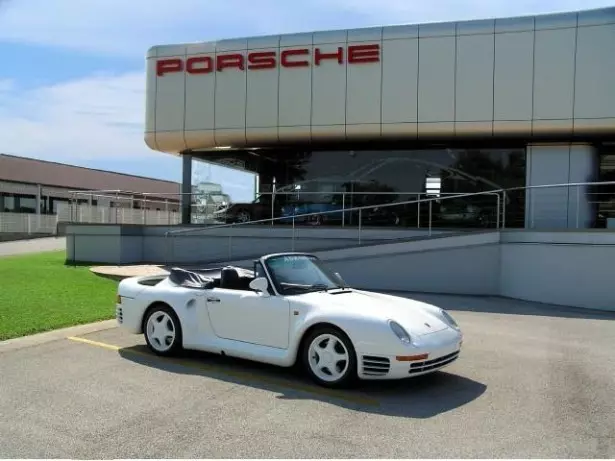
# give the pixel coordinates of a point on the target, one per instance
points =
(348, 374)
(246, 213)
(154, 343)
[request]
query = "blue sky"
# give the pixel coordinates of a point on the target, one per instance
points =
(72, 73)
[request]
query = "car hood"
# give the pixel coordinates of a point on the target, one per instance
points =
(418, 318)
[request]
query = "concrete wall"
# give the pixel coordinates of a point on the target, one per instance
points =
(568, 268)
(94, 243)
(571, 269)
(462, 264)
(134, 244)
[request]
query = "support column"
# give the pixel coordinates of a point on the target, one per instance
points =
(186, 197)
(560, 207)
(38, 198)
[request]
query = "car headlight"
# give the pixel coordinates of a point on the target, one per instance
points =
(448, 318)
(400, 332)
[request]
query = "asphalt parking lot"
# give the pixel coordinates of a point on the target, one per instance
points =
(527, 385)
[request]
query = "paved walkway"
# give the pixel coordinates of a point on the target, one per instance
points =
(129, 271)
(32, 246)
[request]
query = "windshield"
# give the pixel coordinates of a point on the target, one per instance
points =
(293, 274)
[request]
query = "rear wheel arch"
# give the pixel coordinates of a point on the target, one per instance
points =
(164, 307)
(151, 307)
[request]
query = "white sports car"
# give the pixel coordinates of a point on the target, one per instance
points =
(290, 309)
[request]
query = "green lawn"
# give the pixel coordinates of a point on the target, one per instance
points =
(39, 293)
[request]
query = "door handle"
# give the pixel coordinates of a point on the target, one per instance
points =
(213, 300)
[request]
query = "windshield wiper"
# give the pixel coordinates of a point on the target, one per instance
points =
(320, 287)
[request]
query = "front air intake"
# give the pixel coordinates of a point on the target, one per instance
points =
(375, 366)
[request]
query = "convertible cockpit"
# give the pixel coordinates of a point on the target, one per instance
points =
(232, 279)
(228, 278)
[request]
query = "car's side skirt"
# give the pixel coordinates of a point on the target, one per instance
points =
(243, 350)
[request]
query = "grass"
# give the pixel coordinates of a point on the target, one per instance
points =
(39, 293)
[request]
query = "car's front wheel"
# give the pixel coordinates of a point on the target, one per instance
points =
(329, 358)
(162, 330)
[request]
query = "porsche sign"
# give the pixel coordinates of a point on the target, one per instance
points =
(263, 60)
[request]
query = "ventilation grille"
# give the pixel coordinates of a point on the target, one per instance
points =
(119, 316)
(429, 365)
(375, 366)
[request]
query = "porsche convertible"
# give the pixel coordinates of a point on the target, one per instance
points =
(289, 309)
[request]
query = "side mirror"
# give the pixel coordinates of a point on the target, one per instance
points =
(261, 285)
(339, 278)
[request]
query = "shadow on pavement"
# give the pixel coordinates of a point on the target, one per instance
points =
(500, 305)
(421, 397)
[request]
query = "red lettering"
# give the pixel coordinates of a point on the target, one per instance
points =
(319, 56)
(287, 53)
(224, 61)
(363, 53)
(165, 66)
(261, 60)
(256, 60)
(199, 65)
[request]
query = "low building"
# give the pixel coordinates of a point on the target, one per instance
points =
(34, 186)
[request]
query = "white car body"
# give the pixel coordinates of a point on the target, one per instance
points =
(269, 327)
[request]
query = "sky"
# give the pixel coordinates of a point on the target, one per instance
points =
(72, 76)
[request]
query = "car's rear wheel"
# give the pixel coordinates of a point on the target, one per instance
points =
(329, 357)
(162, 329)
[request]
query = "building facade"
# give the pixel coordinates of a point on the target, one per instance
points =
(397, 113)
(39, 187)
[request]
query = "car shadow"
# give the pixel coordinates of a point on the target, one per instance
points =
(501, 305)
(421, 397)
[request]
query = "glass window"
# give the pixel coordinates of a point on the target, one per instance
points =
(294, 274)
(8, 203)
(603, 197)
(27, 203)
(327, 180)
(258, 270)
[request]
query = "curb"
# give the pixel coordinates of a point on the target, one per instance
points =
(55, 335)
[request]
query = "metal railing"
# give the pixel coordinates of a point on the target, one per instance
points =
(346, 194)
(501, 197)
(28, 223)
(153, 207)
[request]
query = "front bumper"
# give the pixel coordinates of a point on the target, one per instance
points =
(441, 348)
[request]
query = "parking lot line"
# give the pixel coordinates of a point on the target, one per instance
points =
(94, 343)
(295, 386)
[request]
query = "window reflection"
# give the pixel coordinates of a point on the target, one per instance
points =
(310, 181)
(602, 198)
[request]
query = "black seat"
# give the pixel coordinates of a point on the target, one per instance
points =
(229, 278)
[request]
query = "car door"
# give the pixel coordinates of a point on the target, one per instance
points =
(247, 316)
